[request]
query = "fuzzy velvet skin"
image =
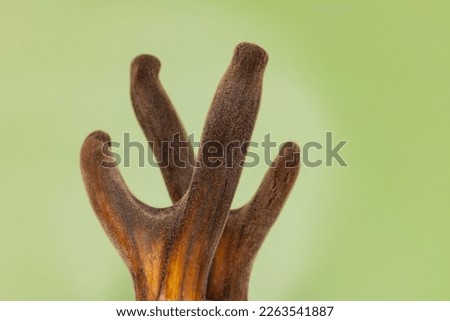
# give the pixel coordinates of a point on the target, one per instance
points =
(197, 248)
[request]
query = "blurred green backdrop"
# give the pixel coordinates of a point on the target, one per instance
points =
(375, 73)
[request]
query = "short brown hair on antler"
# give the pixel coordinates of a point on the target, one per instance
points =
(197, 248)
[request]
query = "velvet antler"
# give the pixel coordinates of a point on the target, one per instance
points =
(197, 248)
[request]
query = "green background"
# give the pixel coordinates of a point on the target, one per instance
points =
(375, 73)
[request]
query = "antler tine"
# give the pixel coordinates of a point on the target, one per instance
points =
(230, 119)
(248, 226)
(161, 125)
(121, 215)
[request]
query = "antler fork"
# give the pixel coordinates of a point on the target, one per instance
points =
(197, 248)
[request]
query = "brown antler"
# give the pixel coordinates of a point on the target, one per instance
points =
(174, 253)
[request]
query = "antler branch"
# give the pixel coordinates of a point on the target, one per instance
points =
(169, 251)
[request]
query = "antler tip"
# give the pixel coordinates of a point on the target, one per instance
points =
(93, 146)
(291, 153)
(246, 52)
(145, 65)
(99, 136)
